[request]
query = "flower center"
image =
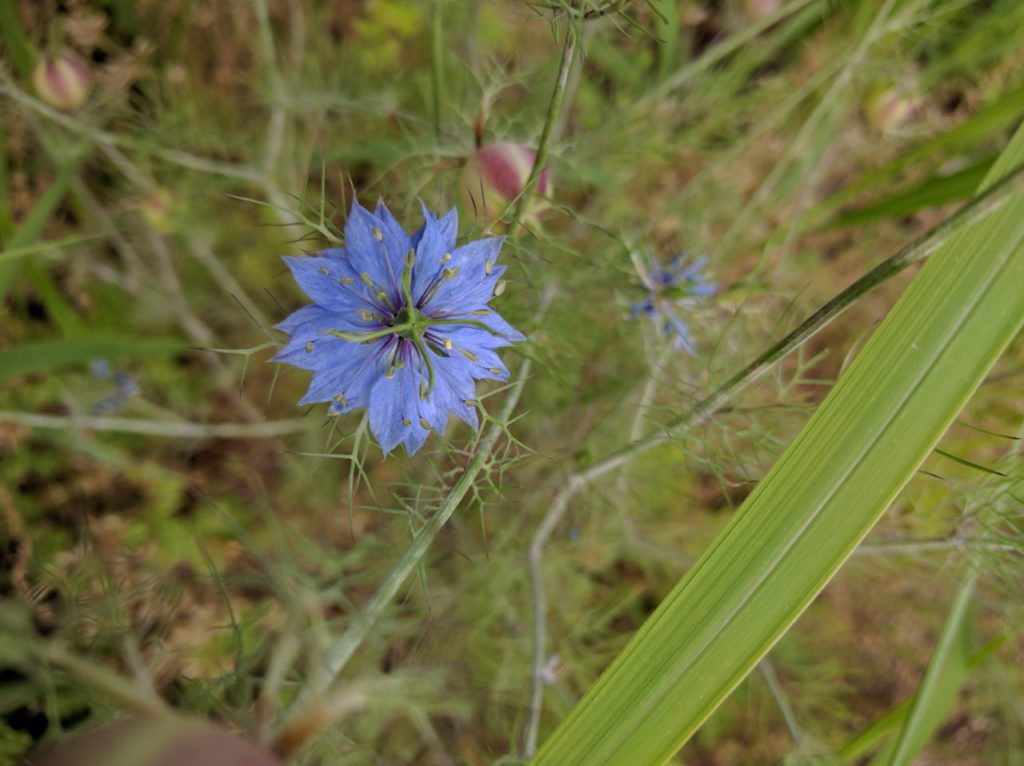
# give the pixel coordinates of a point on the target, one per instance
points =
(410, 323)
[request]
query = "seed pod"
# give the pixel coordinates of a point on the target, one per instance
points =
(62, 81)
(156, 742)
(496, 175)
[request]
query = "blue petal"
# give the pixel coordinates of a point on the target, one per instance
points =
(430, 258)
(380, 259)
(319, 279)
(347, 382)
(323, 319)
(394, 410)
(475, 278)
(454, 389)
(503, 329)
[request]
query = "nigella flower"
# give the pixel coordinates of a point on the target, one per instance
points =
(399, 324)
(671, 292)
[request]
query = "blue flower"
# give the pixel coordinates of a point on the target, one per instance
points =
(671, 291)
(399, 324)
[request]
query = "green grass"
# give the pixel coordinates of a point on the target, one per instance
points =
(208, 536)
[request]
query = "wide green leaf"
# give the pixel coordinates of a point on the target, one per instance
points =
(831, 485)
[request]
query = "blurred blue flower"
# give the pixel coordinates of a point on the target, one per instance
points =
(671, 292)
(126, 387)
(399, 324)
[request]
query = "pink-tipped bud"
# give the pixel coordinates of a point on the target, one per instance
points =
(754, 10)
(164, 742)
(497, 174)
(62, 81)
(887, 107)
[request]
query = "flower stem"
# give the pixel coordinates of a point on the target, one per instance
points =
(550, 121)
(306, 716)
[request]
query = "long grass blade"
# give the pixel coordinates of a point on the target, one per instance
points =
(835, 480)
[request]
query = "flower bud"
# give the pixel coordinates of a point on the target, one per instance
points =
(755, 10)
(496, 175)
(156, 742)
(62, 81)
(157, 208)
(887, 107)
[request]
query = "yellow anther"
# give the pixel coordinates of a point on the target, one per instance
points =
(347, 280)
(390, 373)
(488, 266)
(325, 271)
(448, 345)
(499, 288)
(406, 422)
(424, 423)
(446, 257)
(309, 347)
(378, 234)
(468, 354)
(366, 278)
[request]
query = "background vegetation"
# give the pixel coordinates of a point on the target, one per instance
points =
(169, 514)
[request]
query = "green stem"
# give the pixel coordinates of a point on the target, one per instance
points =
(305, 718)
(550, 120)
(436, 68)
(105, 681)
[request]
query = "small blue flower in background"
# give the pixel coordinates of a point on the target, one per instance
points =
(670, 292)
(126, 387)
(399, 324)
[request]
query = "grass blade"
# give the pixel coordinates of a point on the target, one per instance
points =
(834, 481)
(942, 680)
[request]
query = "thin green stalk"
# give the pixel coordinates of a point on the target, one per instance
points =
(306, 716)
(138, 699)
(173, 429)
(550, 121)
(436, 62)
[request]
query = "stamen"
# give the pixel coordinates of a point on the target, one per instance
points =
(499, 288)
(425, 424)
(446, 257)
(470, 402)
(488, 266)
(468, 354)
(325, 271)
(347, 280)
(399, 363)
(367, 279)
(309, 347)
(448, 345)
(390, 373)
(340, 399)
(406, 422)
(450, 274)
(495, 371)
(378, 234)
